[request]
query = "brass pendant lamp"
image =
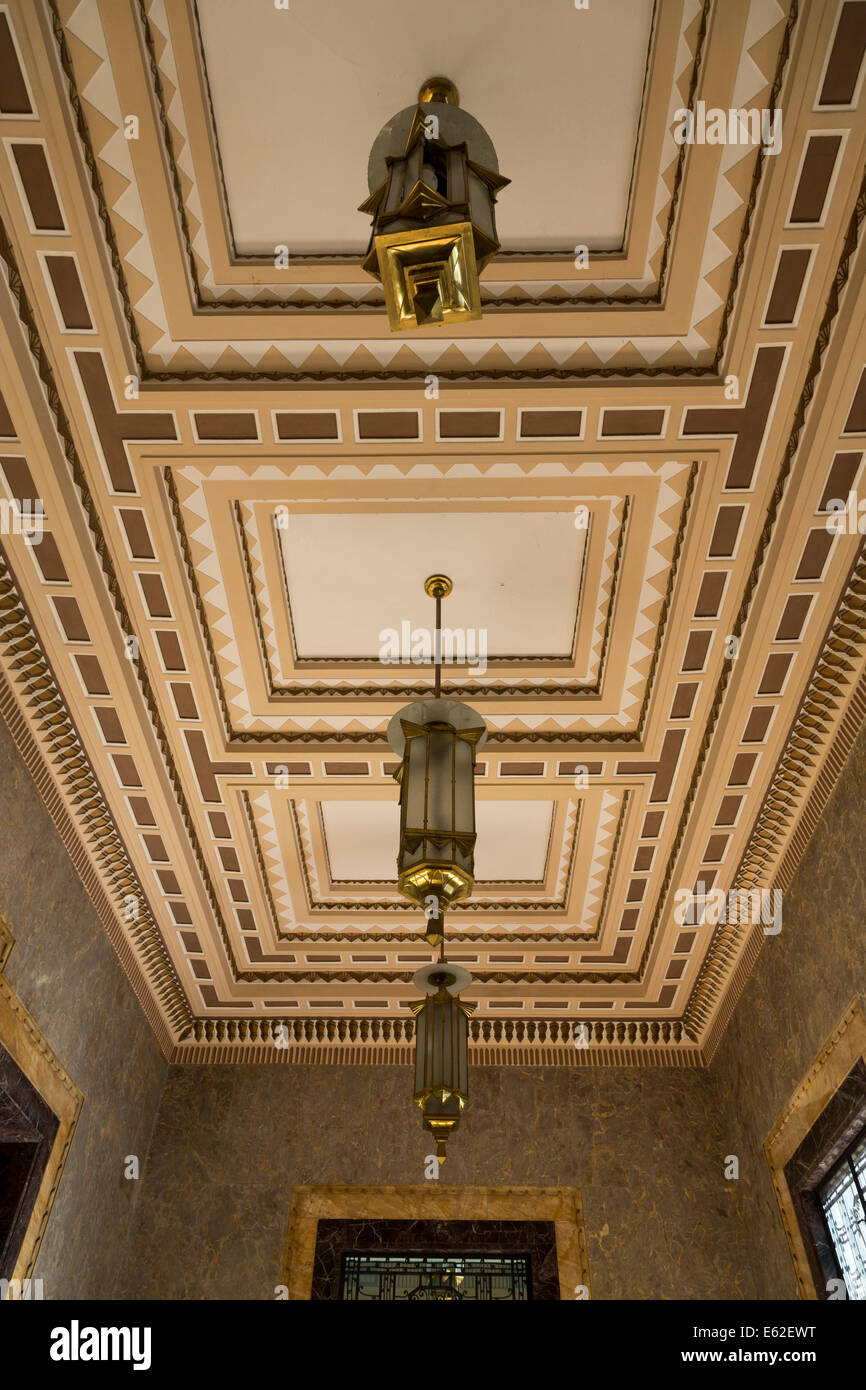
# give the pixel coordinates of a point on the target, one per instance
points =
(437, 741)
(433, 177)
(441, 1048)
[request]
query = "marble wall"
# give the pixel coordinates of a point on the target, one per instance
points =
(803, 982)
(64, 970)
(644, 1147)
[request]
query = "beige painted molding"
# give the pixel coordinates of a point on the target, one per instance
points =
(561, 1205)
(24, 1042)
(6, 941)
(845, 1046)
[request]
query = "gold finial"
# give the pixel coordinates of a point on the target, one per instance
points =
(438, 586)
(433, 935)
(439, 89)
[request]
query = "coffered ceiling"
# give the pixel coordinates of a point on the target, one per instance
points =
(624, 466)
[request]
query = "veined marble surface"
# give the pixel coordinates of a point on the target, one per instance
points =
(64, 970)
(643, 1147)
(803, 982)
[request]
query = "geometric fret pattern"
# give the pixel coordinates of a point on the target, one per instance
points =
(633, 466)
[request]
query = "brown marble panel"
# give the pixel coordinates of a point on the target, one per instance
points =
(785, 294)
(856, 421)
(643, 1148)
(748, 421)
(388, 424)
(469, 424)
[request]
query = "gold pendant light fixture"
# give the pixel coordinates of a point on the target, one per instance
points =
(437, 741)
(433, 178)
(441, 1048)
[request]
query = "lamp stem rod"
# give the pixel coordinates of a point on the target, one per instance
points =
(437, 685)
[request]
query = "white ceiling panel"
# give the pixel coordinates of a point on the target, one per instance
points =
(516, 576)
(299, 96)
(513, 838)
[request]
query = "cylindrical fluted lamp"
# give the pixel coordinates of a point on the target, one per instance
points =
(441, 1049)
(437, 741)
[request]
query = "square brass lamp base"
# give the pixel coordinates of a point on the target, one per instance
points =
(430, 277)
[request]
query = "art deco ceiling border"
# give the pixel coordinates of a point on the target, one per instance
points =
(837, 661)
(814, 369)
(500, 1041)
(728, 938)
(408, 375)
(86, 825)
(820, 702)
(89, 823)
(823, 697)
(616, 737)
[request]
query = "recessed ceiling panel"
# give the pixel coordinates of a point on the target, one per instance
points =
(300, 94)
(353, 578)
(513, 838)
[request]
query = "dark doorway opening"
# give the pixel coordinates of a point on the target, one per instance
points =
(27, 1131)
(434, 1261)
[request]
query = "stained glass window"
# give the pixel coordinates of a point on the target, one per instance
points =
(843, 1202)
(390, 1278)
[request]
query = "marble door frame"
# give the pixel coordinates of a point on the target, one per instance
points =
(433, 1201)
(845, 1046)
(25, 1043)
